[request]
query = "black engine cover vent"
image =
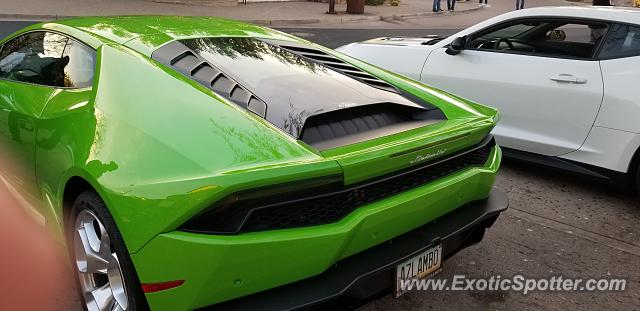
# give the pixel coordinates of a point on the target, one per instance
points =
(181, 58)
(298, 88)
(337, 65)
(347, 126)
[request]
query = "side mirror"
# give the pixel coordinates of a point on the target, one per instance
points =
(457, 45)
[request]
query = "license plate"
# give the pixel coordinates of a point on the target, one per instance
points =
(420, 266)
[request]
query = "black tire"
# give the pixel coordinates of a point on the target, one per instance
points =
(637, 181)
(89, 200)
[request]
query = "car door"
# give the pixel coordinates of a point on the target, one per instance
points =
(619, 59)
(37, 70)
(541, 74)
(59, 120)
(29, 67)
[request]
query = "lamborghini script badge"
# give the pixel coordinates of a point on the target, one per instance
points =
(424, 157)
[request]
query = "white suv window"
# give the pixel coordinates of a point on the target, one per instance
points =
(551, 38)
(622, 41)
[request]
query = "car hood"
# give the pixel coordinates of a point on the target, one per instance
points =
(405, 41)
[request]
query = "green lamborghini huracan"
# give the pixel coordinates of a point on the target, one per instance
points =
(192, 162)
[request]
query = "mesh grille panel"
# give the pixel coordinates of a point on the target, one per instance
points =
(333, 207)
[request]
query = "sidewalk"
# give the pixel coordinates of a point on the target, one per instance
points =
(265, 13)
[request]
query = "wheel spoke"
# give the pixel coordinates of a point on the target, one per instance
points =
(88, 259)
(100, 274)
(115, 281)
(117, 307)
(100, 299)
(104, 251)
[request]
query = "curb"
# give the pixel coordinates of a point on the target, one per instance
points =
(588, 4)
(576, 3)
(276, 22)
(410, 15)
(264, 22)
(353, 19)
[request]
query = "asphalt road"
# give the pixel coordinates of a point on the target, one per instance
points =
(8, 27)
(557, 224)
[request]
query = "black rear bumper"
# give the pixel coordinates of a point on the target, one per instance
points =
(371, 273)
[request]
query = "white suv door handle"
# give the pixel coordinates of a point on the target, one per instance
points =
(568, 78)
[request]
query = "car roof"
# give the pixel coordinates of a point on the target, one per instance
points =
(147, 33)
(608, 13)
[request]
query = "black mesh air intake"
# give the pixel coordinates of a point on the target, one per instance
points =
(333, 207)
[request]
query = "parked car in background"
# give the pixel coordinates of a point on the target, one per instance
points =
(192, 161)
(563, 79)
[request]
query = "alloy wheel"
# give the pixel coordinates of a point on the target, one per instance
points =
(101, 281)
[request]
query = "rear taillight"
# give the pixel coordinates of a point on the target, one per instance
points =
(156, 287)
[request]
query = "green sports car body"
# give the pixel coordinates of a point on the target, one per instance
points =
(239, 166)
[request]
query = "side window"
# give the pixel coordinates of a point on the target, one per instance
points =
(577, 33)
(512, 31)
(34, 58)
(502, 38)
(79, 70)
(622, 41)
(553, 38)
